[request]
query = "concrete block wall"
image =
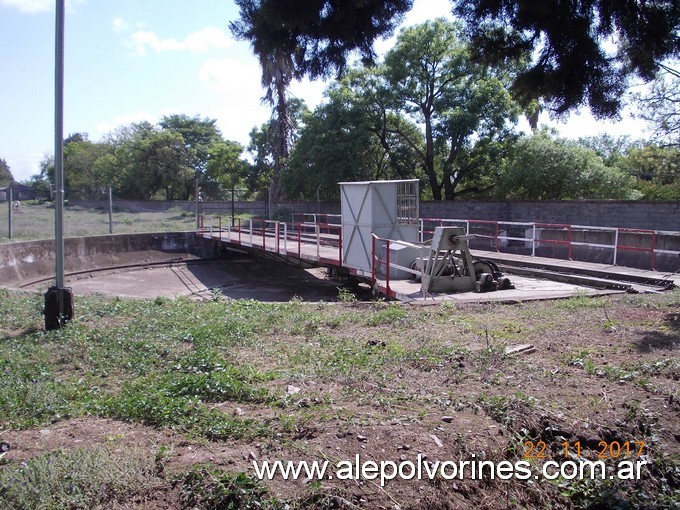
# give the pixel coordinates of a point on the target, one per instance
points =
(603, 213)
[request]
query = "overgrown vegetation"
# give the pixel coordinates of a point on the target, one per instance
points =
(229, 382)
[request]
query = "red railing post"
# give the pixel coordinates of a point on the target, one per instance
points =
(373, 258)
(653, 258)
(299, 240)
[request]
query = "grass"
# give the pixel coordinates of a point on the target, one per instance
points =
(33, 221)
(181, 367)
(79, 478)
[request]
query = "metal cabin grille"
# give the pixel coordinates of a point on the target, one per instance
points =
(407, 202)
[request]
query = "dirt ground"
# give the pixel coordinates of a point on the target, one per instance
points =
(594, 376)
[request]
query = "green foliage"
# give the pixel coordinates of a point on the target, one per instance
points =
(659, 107)
(573, 62)
(78, 478)
(213, 489)
(544, 168)
(317, 35)
(457, 104)
(657, 170)
(6, 177)
(145, 161)
(348, 139)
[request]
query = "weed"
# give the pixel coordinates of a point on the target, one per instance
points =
(78, 478)
(346, 296)
(213, 489)
(391, 314)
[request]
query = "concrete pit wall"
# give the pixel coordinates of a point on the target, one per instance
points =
(24, 262)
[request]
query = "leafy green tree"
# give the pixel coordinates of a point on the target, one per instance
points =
(573, 61)
(660, 107)
(457, 104)
(81, 179)
(612, 149)
(226, 169)
(657, 171)
(347, 139)
(264, 147)
(292, 39)
(542, 168)
(317, 35)
(6, 177)
(199, 136)
(148, 162)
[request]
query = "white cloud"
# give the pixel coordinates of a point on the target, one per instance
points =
(199, 42)
(120, 25)
(35, 6)
(23, 165)
(237, 90)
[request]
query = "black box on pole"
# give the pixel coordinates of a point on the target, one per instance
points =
(59, 307)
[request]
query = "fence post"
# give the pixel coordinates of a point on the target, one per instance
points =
(10, 205)
(616, 246)
(387, 268)
(111, 210)
(533, 239)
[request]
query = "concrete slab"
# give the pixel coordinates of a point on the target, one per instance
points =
(526, 289)
(236, 279)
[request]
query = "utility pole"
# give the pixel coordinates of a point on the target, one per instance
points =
(58, 300)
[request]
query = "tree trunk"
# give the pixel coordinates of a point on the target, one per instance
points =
(429, 160)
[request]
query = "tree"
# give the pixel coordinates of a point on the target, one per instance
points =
(345, 140)
(317, 35)
(81, 179)
(265, 149)
(457, 104)
(6, 177)
(657, 171)
(571, 42)
(542, 168)
(146, 162)
(661, 108)
(199, 136)
(226, 169)
(292, 39)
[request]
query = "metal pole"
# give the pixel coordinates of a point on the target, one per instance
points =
(58, 300)
(59, 149)
(198, 223)
(110, 210)
(10, 203)
(233, 209)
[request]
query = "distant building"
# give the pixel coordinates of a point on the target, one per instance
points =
(19, 192)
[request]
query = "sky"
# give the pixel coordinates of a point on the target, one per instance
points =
(129, 60)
